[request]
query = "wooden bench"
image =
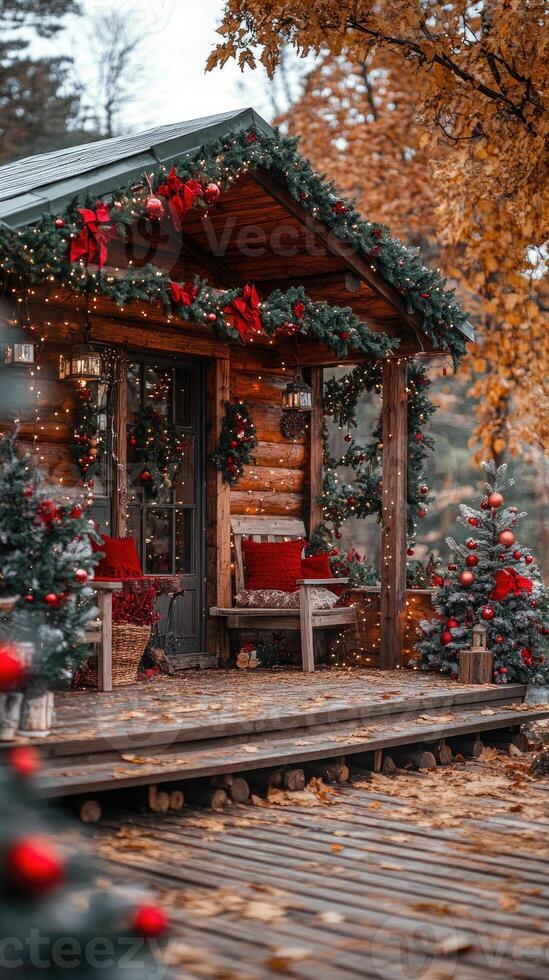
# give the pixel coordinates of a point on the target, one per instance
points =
(306, 619)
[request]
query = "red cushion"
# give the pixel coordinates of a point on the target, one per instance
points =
(273, 564)
(316, 566)
(120, 558)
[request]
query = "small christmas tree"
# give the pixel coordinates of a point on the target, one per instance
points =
(493, 580)
(54, 917)
(45, 560)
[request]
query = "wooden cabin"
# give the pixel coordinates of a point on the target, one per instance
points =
(261, 229)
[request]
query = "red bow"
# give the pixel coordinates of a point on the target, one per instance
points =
(184, 295)
(242, 313)
(91, 243)
(181, 197)
(509, 581)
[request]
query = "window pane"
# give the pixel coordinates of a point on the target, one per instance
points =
(185, 390)
(184, 487)
(134, 389)
(184, 550)
(133, 529)
(158, 389)
(158, 541)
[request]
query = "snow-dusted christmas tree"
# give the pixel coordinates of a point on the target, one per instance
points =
(492, 579)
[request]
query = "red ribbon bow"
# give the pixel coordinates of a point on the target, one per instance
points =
(92, 241)
(184, 295)
(509, 581)
(242, 313)
(181, 196)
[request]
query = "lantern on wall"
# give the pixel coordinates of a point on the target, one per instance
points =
(297, 395)
(83, 364)
(19, 354)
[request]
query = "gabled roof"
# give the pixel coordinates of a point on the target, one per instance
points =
(46, 182)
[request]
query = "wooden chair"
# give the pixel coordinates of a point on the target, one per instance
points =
(305, 619)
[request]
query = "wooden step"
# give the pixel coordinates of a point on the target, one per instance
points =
(114, 770)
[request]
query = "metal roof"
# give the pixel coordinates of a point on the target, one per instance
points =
(47, 181)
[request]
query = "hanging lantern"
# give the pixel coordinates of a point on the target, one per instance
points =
(19, 354)
(83, 365)
(297, 395)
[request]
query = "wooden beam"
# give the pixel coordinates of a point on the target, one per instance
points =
(220, 270)
(337, 246)
(120, 449)
(315, 450)
(218, 512)
(393, 518)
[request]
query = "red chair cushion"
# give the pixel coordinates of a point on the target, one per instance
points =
(120, 558)
(272, 564)
(316, 566)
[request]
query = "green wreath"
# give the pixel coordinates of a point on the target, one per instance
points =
(293, 424)
(236, 441)
(159, 450)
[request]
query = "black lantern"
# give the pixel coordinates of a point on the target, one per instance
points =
(19, 354)
(297, 395)
(83, 365)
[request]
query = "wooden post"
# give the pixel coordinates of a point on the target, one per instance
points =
(394, 511)
(316, 450)
(218, 512)
(120, 477)
(104, 660)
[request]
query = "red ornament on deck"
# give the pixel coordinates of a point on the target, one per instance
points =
(513, 510)
(29, 598)
(484, 505)
(506, 538)
(487, 613)
(424, 489)
(154, 209)
(339, 207)
(34, 863)
(466, 578)
(145, 476)
(495, 500)
(499, 638)
(150, 921)
(422, 513)
(419, 436)
(27, 492)
(348, 437)
(59, 222)
(471, 561)
(438, 581)
(212, 192)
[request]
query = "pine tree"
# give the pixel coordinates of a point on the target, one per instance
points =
(54, 917)
(45, 560)
(493, 580)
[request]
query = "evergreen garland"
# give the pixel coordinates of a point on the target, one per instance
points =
(87, 446)
(159, 449)
(42, 251)
(362, 497)
(236, 441)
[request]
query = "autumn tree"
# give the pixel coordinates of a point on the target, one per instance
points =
(470, 126)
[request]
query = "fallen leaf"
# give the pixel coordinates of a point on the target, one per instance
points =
(453, 944)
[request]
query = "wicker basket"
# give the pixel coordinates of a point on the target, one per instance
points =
(128, 646)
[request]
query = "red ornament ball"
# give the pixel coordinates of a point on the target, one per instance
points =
(471, 544)
(81, 575)
(528, 559)
(487, 613)
(76, 511)
(348, 437)
(425, 295)
(29, 598)
(344, 335)
(24, 760)
(438, 580)
(499, 638)
(212, 193)
(419, 437)
(513, 510)
(506, 538)
(27, 492)
(211, 317)
(527, 657)
(150, 921)
(446, 637)
(133, 441)
(51, 599)
(534, 603)
(484, 505)
(424, 489)
(34, 863)
(473, 521)
(495, 500)
(517, 555)
(59, 222)
(338, 535)
(410, 552)
(504, 670)
(339, 207)
(452, 623)
(11, 669)
(422, 513)
(471, 561)
(154, 208)
(466, 578)
(251, 137)
(452, 567)
(145, 476)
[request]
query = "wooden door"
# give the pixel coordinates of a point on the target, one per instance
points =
(170, 530)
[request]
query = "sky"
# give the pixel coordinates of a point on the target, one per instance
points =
(178, 36)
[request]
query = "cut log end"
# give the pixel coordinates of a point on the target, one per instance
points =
(159, 802)
(90, 811)
(293, 779)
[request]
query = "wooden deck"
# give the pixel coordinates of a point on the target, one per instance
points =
(433, 875)
(216, 722)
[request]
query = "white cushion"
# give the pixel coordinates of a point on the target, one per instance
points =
(274, 599)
